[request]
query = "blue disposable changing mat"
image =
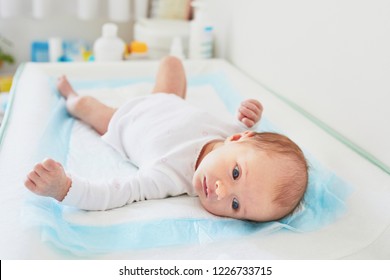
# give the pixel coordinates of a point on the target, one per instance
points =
(324, 200)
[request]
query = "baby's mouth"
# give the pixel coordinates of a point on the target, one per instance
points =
(205, 189)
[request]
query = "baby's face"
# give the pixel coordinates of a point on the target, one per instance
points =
(236, 180)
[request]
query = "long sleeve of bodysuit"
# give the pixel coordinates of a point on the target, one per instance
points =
(102, 195)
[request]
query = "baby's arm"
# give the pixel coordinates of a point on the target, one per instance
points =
(249, 112)
(48, 178)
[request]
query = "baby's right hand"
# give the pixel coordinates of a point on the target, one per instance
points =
(48, 179)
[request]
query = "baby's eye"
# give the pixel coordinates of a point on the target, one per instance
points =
(236, 173)
(235, 204)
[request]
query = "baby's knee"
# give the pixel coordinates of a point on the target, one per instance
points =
(171, 61)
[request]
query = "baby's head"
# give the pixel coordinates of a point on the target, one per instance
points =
(252, 176)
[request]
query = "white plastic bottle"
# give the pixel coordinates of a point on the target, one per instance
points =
(201, 43)
(109, 47)
(177, 48)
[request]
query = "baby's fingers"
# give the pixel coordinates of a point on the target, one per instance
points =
(253, 105)
(249, 113)
(30, 184)
(249, 123)
(33, 182)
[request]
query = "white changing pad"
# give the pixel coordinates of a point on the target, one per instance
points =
(359, 233)
(154, 223)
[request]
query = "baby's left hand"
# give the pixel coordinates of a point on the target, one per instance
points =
(250, 112)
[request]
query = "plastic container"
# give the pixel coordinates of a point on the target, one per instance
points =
(119, 10)
(109, 47)
(201, 44)
(40, 51)
(177, 48)
(5, 83)
(138, 50)
(88, 9)
(41, 8)
(158, 34)
(55, 49)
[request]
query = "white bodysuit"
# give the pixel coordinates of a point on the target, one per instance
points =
(161, 134)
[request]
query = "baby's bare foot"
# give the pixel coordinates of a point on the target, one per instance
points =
(48, 179)
(65, 88)
(71, 96)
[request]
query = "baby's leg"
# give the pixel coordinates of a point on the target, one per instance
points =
(85, 108)
(171, 77)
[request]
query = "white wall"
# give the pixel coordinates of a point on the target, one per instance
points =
(331, 58)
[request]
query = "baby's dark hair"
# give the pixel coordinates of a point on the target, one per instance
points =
(289, 192)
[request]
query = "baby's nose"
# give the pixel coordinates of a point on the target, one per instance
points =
(220, 190)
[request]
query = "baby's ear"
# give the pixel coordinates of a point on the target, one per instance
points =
(234, 137)
(249, 133)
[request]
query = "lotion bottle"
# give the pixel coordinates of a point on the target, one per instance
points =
(109, 47)
(201, 44)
